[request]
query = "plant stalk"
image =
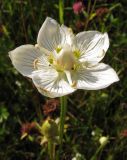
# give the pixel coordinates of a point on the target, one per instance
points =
(51, 150)
(99, 150)
(61, 11)
(90, 12)
(63, 101)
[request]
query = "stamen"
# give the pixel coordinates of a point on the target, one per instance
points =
(35, 63)
(50, 59)
(76, 53)
(58, 49)
(76, 66)
(68, 74)
(59, 68)
(74, 84)
(101, 54)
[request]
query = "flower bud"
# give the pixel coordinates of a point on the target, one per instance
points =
(78, 7)
(101, 11)
(49, 129)
(103, 140)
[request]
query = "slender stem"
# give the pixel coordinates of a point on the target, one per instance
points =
(63, 100)
(89, 5)
(61, 11)
(93, 6)
(62, 119)
(99, 150)
(90, 12)
(51, 150)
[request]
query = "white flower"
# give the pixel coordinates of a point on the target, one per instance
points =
(78, 156)
(61, 62)
(103, 140)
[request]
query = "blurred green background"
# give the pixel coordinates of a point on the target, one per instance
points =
(102, 112)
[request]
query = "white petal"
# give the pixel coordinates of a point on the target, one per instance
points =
(97, 77)
(92, 45)
(51, 83)
(68, 74)
(24, 57)
(43, 50)
(106, 42)
(49, 35)
(67, 35)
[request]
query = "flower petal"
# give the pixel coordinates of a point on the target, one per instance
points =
(23, 58)
(94, 78)
(67, 35)
(92, 45)
(51, 83)
(49, 35)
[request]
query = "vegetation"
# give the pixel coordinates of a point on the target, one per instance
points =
(90, 114)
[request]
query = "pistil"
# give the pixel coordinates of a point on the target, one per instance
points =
(66, 58)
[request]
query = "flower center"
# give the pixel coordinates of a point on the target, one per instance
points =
(66, 58)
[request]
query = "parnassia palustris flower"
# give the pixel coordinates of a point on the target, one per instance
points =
(62, 62)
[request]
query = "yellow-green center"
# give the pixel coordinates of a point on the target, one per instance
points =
(65, 59)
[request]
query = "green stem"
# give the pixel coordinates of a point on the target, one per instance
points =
(62, 119)
(93, 6)
(99, 150)
(89, 5)
(61, 11)
(51, 150)
(90, 12)
(63, 100)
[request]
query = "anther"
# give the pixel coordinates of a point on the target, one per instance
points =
(74, 84)
(35, 64)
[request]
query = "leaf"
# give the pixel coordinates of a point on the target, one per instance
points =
(92, 16)
(3, 113)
